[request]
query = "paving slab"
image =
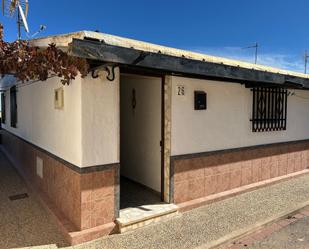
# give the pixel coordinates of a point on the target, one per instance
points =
(23, 222)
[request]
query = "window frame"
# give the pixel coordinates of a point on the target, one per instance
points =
(269, 109)
(3, 106)
(13, 106)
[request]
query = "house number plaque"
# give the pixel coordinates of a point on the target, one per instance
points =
(180, 91)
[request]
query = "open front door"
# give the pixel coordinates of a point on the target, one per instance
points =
(140, 136)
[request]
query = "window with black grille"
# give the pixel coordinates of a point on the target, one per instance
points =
(13, 100)
(3, 108)
(269, 109)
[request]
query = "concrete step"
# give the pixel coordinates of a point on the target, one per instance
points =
(51, 246)
(136, 217)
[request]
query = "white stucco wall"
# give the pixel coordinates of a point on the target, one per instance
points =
(57, 131)
(100, 120)
(226, 122)
(141, 130)
(85, 132)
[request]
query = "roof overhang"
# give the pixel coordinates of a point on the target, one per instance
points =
(168, 64)
(143, 57)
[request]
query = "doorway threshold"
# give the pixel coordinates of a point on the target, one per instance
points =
(134, 194)
(135, 217)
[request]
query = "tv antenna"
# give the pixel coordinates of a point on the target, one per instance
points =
(42, 28)
(19, 8)
(306, 56)
(255, 46)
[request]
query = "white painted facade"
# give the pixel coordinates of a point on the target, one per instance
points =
(226, 122)
(100, 120)
(85, 132)
(56, 131)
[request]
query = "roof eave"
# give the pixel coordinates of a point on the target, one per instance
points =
(100, 51)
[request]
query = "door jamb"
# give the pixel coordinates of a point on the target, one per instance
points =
(162, 142)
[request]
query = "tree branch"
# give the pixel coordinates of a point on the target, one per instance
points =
(32, 63)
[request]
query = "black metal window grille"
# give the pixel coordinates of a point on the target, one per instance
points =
(269, 109)
(3, 108)
(13, 100)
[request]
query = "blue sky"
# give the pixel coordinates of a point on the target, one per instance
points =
(217, 27)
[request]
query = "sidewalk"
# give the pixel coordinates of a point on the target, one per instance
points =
(23, 220)
(201, 226)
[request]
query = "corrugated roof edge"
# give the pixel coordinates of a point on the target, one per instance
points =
(65, 39)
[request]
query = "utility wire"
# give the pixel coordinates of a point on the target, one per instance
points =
(296, 95)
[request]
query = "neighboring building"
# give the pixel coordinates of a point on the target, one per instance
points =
(183, 125)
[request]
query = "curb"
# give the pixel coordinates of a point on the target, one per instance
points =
(248, 230)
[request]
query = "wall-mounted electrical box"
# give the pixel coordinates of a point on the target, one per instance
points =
(59, 98)
(200, 100)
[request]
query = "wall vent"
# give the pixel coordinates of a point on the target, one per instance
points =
(18, 197)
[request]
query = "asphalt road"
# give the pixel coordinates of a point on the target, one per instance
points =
(293, 236)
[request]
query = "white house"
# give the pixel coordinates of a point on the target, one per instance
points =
(151, 125)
